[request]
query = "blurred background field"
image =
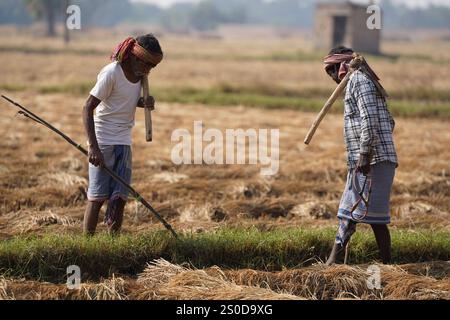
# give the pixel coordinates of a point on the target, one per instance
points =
(269, 71)
(229, 75)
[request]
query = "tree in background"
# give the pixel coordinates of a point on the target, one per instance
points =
(102, 13)
(48, 10)
(207, 14)
(204, 15)
(14, 12)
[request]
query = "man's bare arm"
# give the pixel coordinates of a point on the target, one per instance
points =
(94, 153)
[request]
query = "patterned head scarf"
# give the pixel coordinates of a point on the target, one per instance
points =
(354, 61)
(130, 45)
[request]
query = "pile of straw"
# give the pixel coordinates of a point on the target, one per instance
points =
(163, 280)
(21, 289)
(342, 281)
(167, 281)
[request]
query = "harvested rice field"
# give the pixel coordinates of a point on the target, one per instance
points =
(163, 280)
(242, 235)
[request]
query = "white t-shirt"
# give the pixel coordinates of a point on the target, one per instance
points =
(114, 116)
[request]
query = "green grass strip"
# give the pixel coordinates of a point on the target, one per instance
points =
(403, 108)
(283, 56)
(47, 257)
(423, 103)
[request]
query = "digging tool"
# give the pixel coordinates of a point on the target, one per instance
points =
(147, 110)
(357, 63)
(25, 112)
(339, 89)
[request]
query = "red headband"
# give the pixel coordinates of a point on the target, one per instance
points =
(130, 45)
(341, 59)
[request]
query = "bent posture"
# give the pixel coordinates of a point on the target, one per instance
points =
(372, 158)
(114, 98)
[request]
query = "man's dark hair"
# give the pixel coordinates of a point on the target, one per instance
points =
(340, 50)
(150, 43)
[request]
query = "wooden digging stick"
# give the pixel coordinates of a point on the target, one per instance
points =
(339, 89)
(147, 111)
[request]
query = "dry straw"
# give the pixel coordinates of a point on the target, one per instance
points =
(342, 281)
(21, 289)
(164, 280)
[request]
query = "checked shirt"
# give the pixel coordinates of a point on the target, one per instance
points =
(368, 125)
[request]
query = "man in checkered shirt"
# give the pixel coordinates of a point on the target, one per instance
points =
(372, 159)
(368, 124)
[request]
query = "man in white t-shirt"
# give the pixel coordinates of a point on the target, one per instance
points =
(114, 98)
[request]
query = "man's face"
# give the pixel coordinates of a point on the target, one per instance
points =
(139, 67)
(333, 72)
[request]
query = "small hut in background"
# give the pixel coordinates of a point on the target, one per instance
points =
(344, 23)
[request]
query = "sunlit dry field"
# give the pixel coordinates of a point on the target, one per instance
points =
(43, 179)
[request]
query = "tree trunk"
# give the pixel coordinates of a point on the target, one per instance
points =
(66, 30)
(50, 15)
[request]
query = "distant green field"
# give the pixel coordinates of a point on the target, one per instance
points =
(292, 55)
(411, 103)
(47, 257)
(303, 102)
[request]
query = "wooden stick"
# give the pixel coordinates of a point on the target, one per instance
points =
(339, 89)
(147, 111)
(116, 177)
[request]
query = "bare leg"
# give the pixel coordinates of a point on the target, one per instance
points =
(383, 238)
(337, 252)
(115, 210)
(334, 253)
(91, 216)
(346, 230)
